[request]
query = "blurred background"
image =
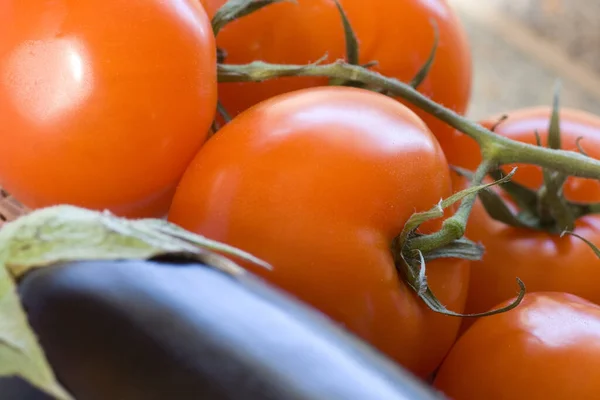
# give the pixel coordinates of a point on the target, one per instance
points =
(521, 47)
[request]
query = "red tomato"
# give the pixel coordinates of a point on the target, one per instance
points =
(398, 34)
(546, 348)
(318, 182)
(103, 103)
(543, 261)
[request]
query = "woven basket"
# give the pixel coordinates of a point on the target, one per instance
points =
(10, 208)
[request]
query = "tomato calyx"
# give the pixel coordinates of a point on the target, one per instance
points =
(554, 210)
(412, 249)
(545, 209)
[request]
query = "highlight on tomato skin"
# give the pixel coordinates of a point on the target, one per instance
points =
(398, 34)
(546, 348)
(103, 103)
(318, 182)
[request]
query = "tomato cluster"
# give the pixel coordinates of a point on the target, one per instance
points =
(109, 104)
(96, 108)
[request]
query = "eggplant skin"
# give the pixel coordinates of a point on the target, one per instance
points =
(13, 388)
(145, 330)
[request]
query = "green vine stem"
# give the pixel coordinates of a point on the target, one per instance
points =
(453, 228)
(495, 148)
(411, 250)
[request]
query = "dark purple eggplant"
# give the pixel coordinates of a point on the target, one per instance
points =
(150, 330)
(12, 388)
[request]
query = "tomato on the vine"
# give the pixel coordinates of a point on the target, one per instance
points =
(543, 261)
(103, 103)
(318, 183)
(398, 34)
(546, 348)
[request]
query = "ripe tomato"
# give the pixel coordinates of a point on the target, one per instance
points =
(398, 34)
(543, 261)
(318, 182)
(546, 348)
(103, 103)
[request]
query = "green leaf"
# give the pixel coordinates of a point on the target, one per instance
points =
(424, 71)
(66, 233)
(20, 353)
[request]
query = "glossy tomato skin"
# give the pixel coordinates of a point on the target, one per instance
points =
(547, 348)
(318, 182)
(103, 103)
(398, 34)
(543, 261)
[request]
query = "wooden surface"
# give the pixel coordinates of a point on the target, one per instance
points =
(9, 207)
(522, 47)
(573, 25)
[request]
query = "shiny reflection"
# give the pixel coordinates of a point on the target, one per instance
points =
(76, 64)
(557, 325)
(438, 6)
(47, 79)
(386, 131)
(187, 11)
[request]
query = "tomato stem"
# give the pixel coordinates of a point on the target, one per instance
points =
(496, 148)
(453, 228)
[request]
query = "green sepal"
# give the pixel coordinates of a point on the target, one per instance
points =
(421, 75)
